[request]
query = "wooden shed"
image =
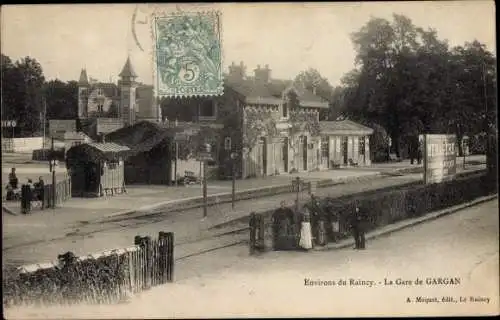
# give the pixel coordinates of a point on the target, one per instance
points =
(96, 169)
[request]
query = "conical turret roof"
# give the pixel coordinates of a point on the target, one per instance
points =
(128, 71)
(83, 77)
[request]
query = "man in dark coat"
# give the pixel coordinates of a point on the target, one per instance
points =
(358, 230)
(284, 228)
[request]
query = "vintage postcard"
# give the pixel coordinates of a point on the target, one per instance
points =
(249, 160)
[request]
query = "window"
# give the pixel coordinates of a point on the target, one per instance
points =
(99, 91)
(100, 108)
(362, 146)
(207, 110)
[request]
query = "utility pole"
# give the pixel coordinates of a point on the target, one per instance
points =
(43, 120)
(53, 167)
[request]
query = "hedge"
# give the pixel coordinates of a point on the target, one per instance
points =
(389, 205)
(93, 280)
(44, 154)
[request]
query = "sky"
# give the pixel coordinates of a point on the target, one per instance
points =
(289, 38)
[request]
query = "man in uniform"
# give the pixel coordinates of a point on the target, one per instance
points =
(357, 227)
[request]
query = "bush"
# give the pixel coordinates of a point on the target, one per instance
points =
(44, 155)
(388, 207)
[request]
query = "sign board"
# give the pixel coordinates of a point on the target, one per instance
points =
(440, 163)
(9, 123)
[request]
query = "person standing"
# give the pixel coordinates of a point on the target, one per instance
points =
(357, 227)
(284, 228)
(13, 181)
(39, 190)
(305, 230)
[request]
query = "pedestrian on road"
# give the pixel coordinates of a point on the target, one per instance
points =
(39, 190)
(305, 230)
(357, 226)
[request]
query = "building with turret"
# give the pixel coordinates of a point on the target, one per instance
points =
(108, 106)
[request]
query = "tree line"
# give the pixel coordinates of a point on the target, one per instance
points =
(28, 98)
(407, 81)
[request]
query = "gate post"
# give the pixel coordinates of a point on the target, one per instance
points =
(166, 243)
(170, 257)
(252, 225)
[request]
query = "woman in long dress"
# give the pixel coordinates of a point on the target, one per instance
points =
(305, 231)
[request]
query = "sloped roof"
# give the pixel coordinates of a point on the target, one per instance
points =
(128, 70)
(344, 127)
(83, 77)
(140, 137)
(274, 89)
(108, 147)
(95, 152)
(73, 135)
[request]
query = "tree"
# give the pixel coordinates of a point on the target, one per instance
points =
(22, 86)
(409, 81)
(62, 99)
(312, 80)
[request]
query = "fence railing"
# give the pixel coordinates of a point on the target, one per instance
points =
(106, 277)
(62, 193)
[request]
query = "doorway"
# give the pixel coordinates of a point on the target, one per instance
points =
(345, 149)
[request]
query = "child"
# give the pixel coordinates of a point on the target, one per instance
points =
(305, 231)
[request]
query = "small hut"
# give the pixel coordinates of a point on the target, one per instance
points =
(96, 169)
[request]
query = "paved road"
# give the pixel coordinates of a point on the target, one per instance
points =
(228, 282)
(192, 234)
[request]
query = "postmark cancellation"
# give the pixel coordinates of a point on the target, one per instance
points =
(188, 54)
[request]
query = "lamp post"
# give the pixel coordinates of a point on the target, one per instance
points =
(234, 157)
(53, 169)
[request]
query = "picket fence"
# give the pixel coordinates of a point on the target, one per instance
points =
(107, 277)
(62, 190)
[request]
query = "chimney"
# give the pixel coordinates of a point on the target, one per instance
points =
(262, 75)
(237, 72)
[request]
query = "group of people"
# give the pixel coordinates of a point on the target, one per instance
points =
(27, 193)
(293, 231)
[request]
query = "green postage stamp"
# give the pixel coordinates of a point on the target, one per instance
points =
(188, 54)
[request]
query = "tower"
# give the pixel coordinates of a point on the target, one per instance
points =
(83, 94)
(127, 86)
